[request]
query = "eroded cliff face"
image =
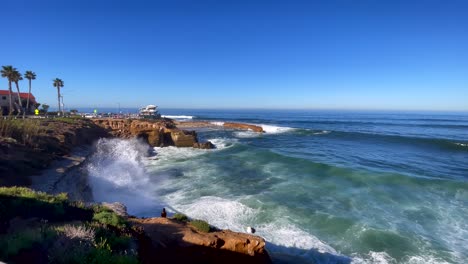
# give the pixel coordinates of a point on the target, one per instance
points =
(158, 133)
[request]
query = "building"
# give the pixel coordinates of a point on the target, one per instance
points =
(5, 103)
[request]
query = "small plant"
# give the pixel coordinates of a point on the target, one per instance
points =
(79, 232)
(12, 244)
(201, 225)
(109, 218)
(180, 217)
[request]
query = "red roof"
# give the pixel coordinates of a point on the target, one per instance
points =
(22, 95)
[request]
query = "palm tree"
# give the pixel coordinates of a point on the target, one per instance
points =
(30, 76)
(7, 72)
(59, 84)
(16, 77)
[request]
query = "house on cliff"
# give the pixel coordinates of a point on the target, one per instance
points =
(5, 103)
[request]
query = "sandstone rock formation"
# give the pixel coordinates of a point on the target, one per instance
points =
(178, 242)
(241, 126)
(158, 133)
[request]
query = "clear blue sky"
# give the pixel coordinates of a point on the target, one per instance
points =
(350, 54)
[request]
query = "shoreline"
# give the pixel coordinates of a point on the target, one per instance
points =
(65, 173)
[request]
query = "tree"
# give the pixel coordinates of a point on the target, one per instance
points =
(30, 76)
(59, 84)
(7, 72)
(16, 77)
(45, 108)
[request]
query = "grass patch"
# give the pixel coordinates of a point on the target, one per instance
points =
(201, 225)
(106, 216)
(23, 130)
(180, 217)
(24, 202)
(95, 234)
(12, 244)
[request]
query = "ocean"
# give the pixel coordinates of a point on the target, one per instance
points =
(318, 186)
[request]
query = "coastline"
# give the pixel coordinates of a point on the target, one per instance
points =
(66, 173)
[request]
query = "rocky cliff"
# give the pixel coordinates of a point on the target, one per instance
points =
(158, 133)
(179, 242)
(28, 151)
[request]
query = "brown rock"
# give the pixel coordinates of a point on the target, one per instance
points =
(182, 138)
(244, 127)
(205, 145)
(179, 242)
(158, 133)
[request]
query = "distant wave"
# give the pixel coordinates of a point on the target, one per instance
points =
(217, 123)
(275, 129)
(178, 116)
(410, 140)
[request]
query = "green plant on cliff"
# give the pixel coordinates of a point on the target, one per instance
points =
(24, 131)
(201, 225)
(24, 239)
(60, 230)
(106, 216)
(21, 201)
(180, 217)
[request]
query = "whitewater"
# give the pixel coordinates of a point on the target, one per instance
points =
(319, 187)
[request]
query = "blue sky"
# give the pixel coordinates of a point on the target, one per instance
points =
(349, 54)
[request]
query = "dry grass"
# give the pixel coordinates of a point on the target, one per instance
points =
(22, 130)
(80, 232)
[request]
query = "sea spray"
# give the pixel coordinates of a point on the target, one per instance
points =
(117, 174)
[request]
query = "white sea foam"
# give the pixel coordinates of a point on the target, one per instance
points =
(219, 212)
(230, 214)
(373, 258)
(178, 116)
(116, 174)
(222, 143)
(323, 132)
(174, 153)
(217, 123)
(383, 258)
(275, 129)
(462, 144)
(171, 153)
(246, 134)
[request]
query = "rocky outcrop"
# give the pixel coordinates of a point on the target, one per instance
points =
(158, 133)
(177, 242)
(244, 127)
(205, 145)
(53, 138)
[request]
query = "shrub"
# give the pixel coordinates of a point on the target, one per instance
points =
(201, 225)
(11, 244)
(20, 201)
(180, 217)
(109, 218)
(23, 130)
(79, 232)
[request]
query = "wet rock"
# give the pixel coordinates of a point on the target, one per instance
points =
(244, 127)
(204, 145)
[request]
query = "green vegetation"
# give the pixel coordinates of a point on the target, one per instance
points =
(30, 75)
(8, 72)
(108, 217)
(201, 225)
(32, 222)
(180, 217)
(58, 83)
(22, 130)
(69, 119)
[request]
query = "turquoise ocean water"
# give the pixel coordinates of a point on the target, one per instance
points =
(319, 186)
